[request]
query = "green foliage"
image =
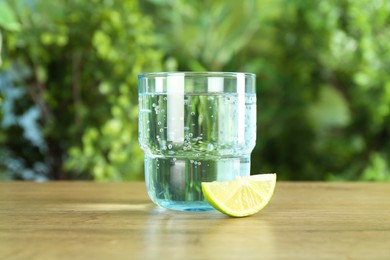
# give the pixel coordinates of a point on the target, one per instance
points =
(323, 81)
(83, 58)
(200, 38)
(330, 78)
(322, 73)
(124, 43)
(8, 21)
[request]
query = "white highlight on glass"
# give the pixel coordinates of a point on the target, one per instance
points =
(175, 126)
(241, 107)
(215, 84)
(159, 84)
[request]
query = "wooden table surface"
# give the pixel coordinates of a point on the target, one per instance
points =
(85, 220)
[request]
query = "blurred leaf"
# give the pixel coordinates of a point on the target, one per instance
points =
(378, 170)
(1, 43)
(330, 110)
(8, 19)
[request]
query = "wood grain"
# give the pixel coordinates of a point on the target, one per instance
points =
(84, 220)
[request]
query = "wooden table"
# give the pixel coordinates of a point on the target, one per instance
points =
(85, 220)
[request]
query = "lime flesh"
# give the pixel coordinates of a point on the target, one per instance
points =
(241, 197)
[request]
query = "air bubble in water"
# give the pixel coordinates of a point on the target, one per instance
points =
(169, 146)
(192, 113)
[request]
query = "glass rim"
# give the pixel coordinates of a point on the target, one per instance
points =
(195, 73)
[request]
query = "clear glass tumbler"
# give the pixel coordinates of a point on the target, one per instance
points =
(194, 127)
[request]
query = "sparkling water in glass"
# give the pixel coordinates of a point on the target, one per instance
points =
(194, 127)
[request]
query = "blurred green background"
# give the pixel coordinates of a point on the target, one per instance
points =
(68, 82)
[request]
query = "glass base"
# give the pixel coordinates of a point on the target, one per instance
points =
(175, 183)
(185, 206)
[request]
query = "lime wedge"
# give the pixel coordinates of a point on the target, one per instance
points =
(241, 197)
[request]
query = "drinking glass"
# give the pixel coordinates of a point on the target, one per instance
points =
(194, 127)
